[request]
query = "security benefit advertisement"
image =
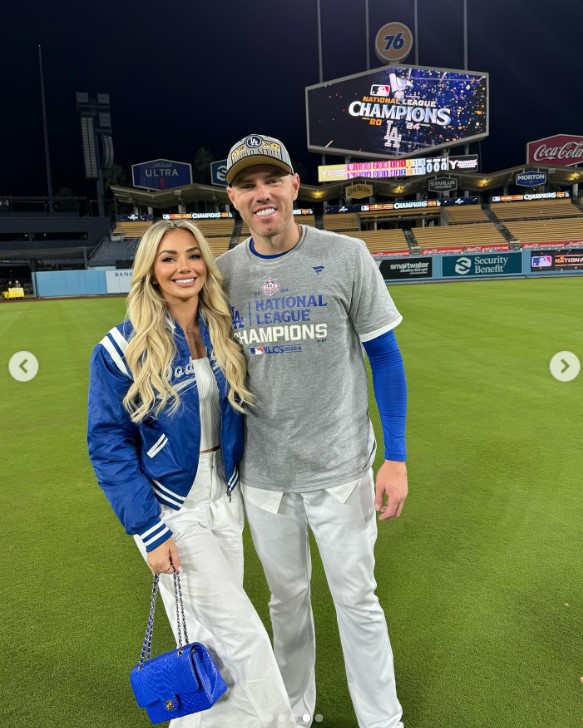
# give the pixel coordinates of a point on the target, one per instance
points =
(547, 260)
(406, 268)
(397, 111)
(481, 264)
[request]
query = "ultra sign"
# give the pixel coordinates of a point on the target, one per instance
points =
(160, 174)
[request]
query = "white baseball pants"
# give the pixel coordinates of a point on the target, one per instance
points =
(346, 535)
(207, 530)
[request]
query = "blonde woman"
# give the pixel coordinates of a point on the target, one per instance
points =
(166, 398)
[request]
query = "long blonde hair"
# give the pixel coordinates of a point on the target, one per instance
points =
(151, 349)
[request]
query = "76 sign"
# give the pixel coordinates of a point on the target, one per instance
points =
(393, 42)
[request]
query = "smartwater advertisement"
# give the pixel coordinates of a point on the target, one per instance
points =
(406, 268)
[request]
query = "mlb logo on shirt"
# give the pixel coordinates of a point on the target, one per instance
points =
(256, 350)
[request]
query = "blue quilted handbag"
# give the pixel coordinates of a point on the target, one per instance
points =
(175, 683)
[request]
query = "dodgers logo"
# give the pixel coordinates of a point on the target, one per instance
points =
(270, 286)
(253, 141)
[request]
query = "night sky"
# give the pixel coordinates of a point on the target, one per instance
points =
(184, 75)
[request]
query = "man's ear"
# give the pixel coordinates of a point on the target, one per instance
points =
(296, 185)
(231, 194)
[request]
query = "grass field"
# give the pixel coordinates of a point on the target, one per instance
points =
(481, 578)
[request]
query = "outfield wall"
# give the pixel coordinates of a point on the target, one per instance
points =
(533, 263)
(55, 284)
(529, 263)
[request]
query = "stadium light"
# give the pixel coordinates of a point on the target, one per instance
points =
(97, 140)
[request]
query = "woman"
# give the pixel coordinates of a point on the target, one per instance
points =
(167, 392)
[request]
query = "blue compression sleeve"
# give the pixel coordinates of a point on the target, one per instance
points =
(390, 391)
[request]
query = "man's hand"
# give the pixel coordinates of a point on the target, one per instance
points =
(164, 559)
(391, 489)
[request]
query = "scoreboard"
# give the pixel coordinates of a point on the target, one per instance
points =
(391, 168)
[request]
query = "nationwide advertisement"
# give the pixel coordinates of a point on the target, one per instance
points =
(161, 174)
(547, 260)
(397, 111)
(406, 269)
(481, 264)
(561, 150)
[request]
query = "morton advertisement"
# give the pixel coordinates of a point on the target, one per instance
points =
(397, 111)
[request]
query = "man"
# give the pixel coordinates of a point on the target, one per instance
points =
(304, 302)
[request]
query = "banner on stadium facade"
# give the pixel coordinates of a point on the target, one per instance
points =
(397, 111)
(196, 215)
(474, 200)
(530, 179)
(541, 260)
(406, 205)
(450, 249)
(219, 173)
(358, 192)
(118, 281)
(481, 264)
(161, 174)
(555, 244)
(442, 184)
(561, 150)
(406, 269)
(531, 196)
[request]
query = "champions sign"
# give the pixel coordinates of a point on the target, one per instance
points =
(397, 111)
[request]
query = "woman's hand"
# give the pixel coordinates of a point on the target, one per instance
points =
(164, 559)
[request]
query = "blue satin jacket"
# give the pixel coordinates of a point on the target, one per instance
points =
(140, 466)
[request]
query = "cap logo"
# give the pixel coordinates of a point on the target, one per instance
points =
(257, 149)
(253, 142)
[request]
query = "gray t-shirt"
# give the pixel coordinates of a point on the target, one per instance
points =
(300, 318)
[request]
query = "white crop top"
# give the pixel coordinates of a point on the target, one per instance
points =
(209, 406)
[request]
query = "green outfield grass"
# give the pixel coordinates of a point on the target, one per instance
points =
(481, 578)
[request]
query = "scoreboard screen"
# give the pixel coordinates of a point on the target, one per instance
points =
(397, 111)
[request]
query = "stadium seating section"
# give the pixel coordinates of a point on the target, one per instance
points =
(481, 233)
(535, 210)
(385, 231)
(381, 241)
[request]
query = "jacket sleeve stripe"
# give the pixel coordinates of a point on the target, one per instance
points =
(157, 446)
(154, 533)
(112, 351)
(168, 495)
(119, 339)
(167, 500)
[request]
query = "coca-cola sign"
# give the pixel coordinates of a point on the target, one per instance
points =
(562, 150)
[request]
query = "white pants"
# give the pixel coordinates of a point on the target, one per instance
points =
(345, 534)
(207, 530)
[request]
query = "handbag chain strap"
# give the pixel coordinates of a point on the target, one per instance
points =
(180, 620)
